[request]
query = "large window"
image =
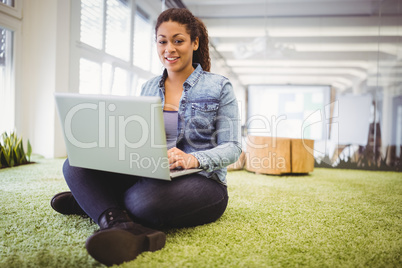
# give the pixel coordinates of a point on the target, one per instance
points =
(6, 80)
(299, 112)
(9, 26)
(115, 47)
(142, 40)
(288, 111)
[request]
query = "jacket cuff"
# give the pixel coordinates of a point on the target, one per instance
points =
(201, 160)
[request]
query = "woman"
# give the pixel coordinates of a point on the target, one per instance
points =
(201, 122)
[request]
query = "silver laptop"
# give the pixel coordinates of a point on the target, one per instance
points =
(122, 134)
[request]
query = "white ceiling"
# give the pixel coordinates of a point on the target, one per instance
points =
(326, 42)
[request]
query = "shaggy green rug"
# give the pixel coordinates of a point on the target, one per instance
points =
(330, 218)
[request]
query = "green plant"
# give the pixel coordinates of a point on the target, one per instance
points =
(12, 151)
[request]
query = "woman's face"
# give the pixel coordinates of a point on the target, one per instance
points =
(175, 48)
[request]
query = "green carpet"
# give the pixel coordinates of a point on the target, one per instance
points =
(330, 218)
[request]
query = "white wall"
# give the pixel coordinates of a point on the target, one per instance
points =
(45, 53)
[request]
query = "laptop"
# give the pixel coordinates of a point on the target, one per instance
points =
(122, 134)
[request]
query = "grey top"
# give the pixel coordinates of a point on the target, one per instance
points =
(171, 119)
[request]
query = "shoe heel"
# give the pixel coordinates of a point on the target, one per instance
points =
(156, 241)
(115, 246)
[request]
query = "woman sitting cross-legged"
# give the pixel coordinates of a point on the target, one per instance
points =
(202, 126)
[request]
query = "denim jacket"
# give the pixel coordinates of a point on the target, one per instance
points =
(208, 125)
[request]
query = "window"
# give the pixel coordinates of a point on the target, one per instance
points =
(114, 50)
(142, 40)
(11, 8)
(6, 80)
(10, 24)
(285, 111)
(90, 76)
(8, 2)
(92, 23)
(145, 55)
(299, 112)
(118, 27)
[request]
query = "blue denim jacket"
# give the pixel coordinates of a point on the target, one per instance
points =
(208, 125)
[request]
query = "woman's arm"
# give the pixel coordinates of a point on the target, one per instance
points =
(227, 134)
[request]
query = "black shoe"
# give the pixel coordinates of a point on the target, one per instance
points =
(120, 239)
(66, 204)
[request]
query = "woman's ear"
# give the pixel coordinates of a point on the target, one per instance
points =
(196, 43)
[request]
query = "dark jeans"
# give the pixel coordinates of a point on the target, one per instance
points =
(183, 202)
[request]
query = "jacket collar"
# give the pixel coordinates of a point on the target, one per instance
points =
(191, 80)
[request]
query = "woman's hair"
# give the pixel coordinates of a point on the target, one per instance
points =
(195, 28)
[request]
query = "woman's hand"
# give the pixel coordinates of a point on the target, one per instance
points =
(178, 158)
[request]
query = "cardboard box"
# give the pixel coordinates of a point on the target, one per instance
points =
(270, 155)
